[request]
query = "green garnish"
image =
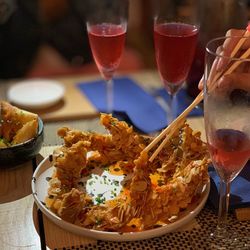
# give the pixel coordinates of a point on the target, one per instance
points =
(106, 167)
(91, 182)
(116, 183)
(100, 199)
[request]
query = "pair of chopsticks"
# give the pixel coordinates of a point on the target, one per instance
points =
(177, 123)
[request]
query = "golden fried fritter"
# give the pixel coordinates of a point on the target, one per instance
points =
(156, 190)
(17, 125)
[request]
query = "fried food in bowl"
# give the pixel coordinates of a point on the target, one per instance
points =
(21, 135)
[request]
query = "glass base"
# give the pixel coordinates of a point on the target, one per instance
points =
(221, 239)
(227, 243)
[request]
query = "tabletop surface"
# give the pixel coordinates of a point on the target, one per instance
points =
(23, 226)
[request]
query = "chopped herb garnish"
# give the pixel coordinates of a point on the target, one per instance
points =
(113, 193)
(100, 199)
(105, 167)
(91, 183)
(116, 183)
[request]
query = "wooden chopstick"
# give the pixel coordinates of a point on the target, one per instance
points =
(233, 53)
(178, 121)
(173, 126)
(240, 43)
(158, 149)
(245, 55)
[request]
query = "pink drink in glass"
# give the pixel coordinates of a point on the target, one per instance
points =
(175, 45)
(230, 151)
(107, 42)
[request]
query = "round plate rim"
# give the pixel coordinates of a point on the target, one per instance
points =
(111, 236)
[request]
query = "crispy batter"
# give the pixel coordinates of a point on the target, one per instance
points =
(16, 125)
(121, 144)
(73, 203)
(69, 162)
(156, 191)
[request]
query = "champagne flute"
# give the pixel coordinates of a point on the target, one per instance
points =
(107, 26)
(227, 119)
(175, 39)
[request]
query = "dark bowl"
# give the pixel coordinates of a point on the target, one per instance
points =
(23, 152)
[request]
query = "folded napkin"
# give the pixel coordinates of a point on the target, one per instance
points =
(240, 189)
(131, 103)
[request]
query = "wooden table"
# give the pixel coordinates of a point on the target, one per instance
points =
(21, 224)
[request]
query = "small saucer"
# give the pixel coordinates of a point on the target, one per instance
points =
(35, 93)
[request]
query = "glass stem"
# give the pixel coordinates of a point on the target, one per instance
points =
(223, 207)
(171, 108)
(110, 96)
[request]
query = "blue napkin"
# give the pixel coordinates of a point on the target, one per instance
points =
(240, 189)
(131, 103)
(183, 101)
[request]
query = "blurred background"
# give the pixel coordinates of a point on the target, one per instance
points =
(45, 38)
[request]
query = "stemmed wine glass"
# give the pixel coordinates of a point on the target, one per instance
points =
(227, 119)
(107, 26)
(175, 39)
